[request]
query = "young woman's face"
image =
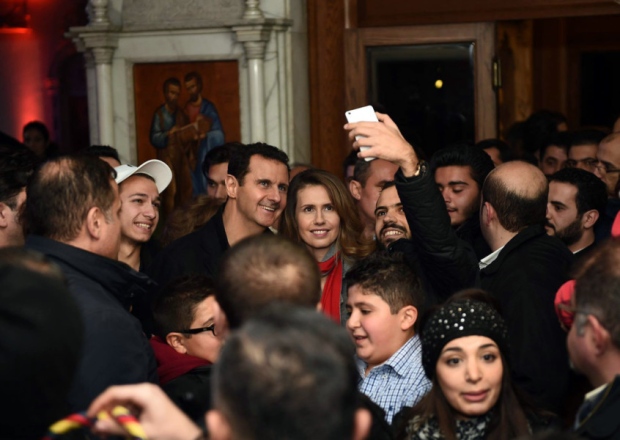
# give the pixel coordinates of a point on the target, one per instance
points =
(469, 373)
(317, 220)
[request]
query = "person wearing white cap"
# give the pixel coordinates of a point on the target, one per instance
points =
(140, 189)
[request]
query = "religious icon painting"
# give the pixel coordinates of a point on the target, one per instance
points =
(183, 111)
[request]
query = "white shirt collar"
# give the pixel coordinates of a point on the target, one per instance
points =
(489, 258)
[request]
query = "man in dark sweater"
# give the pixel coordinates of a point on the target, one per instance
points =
(256, 184)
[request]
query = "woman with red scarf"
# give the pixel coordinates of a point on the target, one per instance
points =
(321, 214)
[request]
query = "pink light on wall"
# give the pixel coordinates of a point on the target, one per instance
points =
(21, 87)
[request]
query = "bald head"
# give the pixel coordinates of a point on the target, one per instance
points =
(518, 193)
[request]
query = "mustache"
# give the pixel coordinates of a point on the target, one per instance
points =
(392, 226)
(549, 225)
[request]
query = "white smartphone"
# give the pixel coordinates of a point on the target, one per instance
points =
(362, 114)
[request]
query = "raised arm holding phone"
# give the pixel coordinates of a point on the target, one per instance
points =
(449, 263)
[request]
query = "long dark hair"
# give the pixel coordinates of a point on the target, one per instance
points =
(508, 415)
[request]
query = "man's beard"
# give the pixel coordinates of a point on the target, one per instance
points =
(570, 234)
(392, 239)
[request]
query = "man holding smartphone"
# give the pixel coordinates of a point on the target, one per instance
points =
(525, 268)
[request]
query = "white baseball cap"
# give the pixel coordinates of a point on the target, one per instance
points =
(154, 168)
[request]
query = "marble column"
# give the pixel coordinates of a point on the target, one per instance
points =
(91, 91)
(103, 70)
(254, 39)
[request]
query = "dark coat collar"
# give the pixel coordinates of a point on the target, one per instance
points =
(115, 277)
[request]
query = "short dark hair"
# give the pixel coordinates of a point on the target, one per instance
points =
(62, 192)
(389, 277)
(539, 127)
(263, 269)
(389, 184)
(349, 160)
(597, 287)
(171, 82)
(361, 171)
(174, 308)
(298, 373)
(17, 165)
(464, 155)
(560, 139)
(102, 151)
(219, 155)
(506, 153)
(239, 164)
(586, 137)
(514, 211)
(591, 191)
(38, 126)
(194, 76)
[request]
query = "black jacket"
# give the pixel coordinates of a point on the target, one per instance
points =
(602, 422)
(197, 253)
(448, 264)
(114, 351)
(471, 233)
(524, 278)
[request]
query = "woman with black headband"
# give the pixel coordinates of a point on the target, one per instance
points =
(465, 355)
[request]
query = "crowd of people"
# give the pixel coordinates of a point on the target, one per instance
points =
(474, 295)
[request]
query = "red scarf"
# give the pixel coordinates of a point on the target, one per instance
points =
(170, 363)
(330, 299)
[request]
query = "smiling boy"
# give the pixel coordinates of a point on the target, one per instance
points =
(139, 189)
(383, 300)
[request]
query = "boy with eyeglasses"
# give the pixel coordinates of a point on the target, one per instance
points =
(186, 342)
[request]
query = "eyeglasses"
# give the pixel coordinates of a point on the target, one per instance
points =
(195, 331)
(606, 168)
(591, 164)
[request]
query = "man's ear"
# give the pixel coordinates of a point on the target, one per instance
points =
(94, 222)
(4, 215)
(487, 213)
(218, 426)
(355, 188)
(231, 186)
(409, 315)
(361, 424)
(176, 341)
(589, 218)
(601, 339)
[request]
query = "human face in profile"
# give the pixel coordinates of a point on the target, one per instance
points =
(460, 192)
(469, 372)
(204, 345)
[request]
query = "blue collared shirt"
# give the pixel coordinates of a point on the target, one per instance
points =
(399, 381)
